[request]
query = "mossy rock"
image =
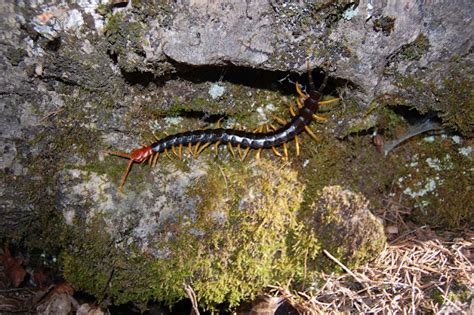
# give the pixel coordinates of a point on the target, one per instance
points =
(345, 226)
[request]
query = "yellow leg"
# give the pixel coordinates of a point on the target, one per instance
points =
(167, 154)
(300, 93)
(246, 152)
(173, 149)
(231, 149)
(299, 103)
(332, 100)
(203, 147)
(279, 120)
(240, 151)
(219, 122)
(155, 158)
(297, 145)
(276, 152)
(285, 151)
(257, 156)
(311, 133)
(190, 149)
(292, 112)
(196, 149)
(216, 147)
(150, 160)
(319, 118)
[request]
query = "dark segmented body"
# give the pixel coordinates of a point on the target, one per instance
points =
(242, 138)
(233, 137)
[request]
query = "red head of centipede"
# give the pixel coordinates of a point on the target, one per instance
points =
(141, 155)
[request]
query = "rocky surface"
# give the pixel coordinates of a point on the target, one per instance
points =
(83, 78)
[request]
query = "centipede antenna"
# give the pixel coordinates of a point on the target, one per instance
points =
(231, 149)
(122, 154)
(285, 150)
(203, 147)
(124, 176)
(312, 87)
(323, 85)
(311, 133)
(319, 118)
(276, 152)
(297, 145)
(332, 100)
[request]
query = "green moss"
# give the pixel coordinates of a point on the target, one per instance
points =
(227, 251)
(437, 182)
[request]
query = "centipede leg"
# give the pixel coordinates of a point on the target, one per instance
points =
(285, 151)
(257, 155)
(231, 149)
(332, 100)
(292, 112)
(203, 147)
(173, 149)
(180, 151)
(216, 147)
(276, 152)
(196, 149)
(319, 118)
(300, 92)
(168, 155)
(279, 120)
(311, 133)
(297, 145)
(155, 158)
(246, 152)
(299, 103)
(190, 149)
(239, 151)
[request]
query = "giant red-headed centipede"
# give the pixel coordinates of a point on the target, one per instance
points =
(262, 138)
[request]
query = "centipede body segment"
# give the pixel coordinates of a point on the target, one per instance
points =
(262, 138)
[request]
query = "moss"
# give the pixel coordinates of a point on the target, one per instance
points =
(454, 98)
(437, 183)
(228, 250)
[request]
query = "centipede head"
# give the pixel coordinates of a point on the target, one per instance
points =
(139, 155)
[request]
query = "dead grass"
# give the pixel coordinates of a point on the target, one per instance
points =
(418, 272)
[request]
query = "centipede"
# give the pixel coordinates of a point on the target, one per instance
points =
(264, 137)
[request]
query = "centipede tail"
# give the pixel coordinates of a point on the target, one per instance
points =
(263, 137)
